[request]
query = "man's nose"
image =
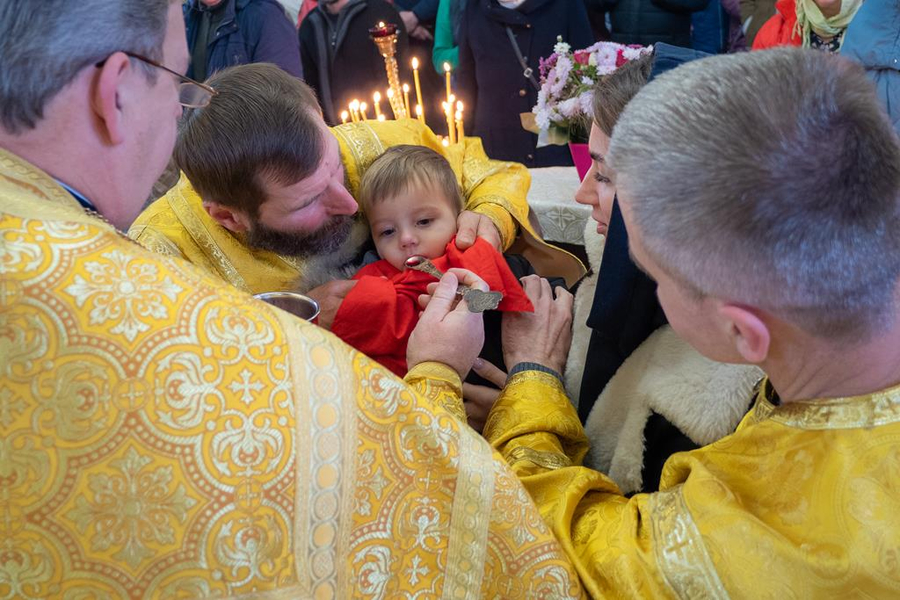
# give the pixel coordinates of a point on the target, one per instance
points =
(340, 201)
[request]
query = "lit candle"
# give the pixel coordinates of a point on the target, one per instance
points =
(362, 110)
(390, 97)
(460, 133)
(445, 142)
(376, 98)
(448, 113)
(354, 110)
(406, 99)
(381, 117)
(447, 76)
(344, 115)
(415, 66)
(419, 111)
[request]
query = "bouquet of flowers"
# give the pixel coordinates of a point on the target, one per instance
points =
(563, 109)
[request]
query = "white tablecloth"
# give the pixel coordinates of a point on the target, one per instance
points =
(552, 198)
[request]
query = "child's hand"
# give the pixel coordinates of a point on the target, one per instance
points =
(329, 298)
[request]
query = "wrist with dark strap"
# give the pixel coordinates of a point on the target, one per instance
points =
(532, 366)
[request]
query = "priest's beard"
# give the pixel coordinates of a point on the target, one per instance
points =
(324, 240)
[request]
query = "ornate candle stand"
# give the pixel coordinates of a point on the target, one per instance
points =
(385, 37)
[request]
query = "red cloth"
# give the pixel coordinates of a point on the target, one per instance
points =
(779, 29)
(382, 309)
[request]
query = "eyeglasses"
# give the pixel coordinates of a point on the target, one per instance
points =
(191, 94)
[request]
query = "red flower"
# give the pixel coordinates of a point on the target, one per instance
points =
(581, 57)
(620, 58)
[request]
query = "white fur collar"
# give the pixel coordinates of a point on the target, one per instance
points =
(702, 398)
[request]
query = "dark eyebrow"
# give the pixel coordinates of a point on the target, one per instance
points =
(596, 157)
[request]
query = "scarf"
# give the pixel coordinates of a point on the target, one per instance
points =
(810, 18)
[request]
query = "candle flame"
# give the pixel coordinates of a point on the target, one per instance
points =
(390, 93)
(405, 87)
(445, 142)
(376, 97)
(381, 117)
(415, 63)
(447, 67)
(380, 23)
(354, 104)
(344, 114)
(459, 106)
(418, 110)
(458, 116)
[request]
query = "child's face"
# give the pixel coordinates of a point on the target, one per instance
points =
(416, 222)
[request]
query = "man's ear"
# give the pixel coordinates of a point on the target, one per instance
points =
(231, 219)
(748, 330)
(107, 97)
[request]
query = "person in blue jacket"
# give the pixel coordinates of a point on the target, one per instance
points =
(873, 39)
(224, 33)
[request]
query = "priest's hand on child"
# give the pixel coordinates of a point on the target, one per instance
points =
(329, 297)
(479, 399)
(543, 336)
(447, 332)
(470, 225)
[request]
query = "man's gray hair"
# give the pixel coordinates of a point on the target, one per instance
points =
(44, 44)
(772, 179)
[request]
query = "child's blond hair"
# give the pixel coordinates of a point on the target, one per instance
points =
(405, 166)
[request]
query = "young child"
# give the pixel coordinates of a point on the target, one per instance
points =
(412, 200)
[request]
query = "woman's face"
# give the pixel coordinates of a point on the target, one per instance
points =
(829, 8)
(597, 190)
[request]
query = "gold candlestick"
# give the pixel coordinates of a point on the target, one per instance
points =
(385, 38)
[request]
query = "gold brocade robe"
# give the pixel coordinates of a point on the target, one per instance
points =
(164, 435)
(177, 224)
(802, 501)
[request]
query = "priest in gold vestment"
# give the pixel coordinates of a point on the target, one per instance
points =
(163, 434)
(211, 216)
(793, 266)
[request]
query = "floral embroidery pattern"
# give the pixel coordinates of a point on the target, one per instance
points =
(124, 290)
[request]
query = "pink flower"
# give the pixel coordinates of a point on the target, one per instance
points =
(582, 57)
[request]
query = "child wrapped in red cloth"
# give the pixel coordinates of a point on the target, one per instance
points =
(412, 200)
